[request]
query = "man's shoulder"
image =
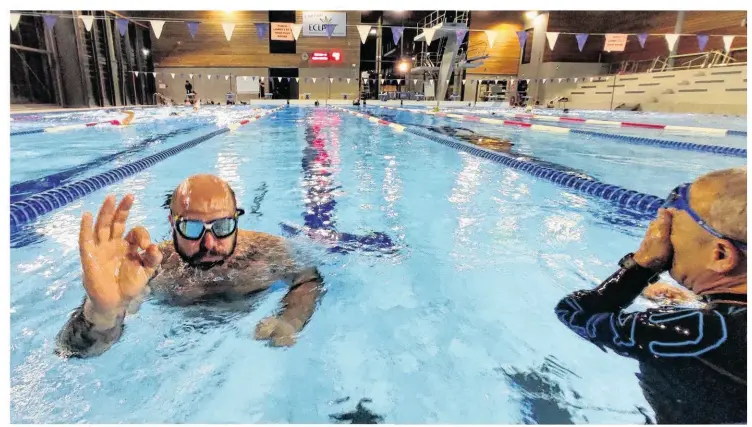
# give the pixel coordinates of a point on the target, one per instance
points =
(260, 238)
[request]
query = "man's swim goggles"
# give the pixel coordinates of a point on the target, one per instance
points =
(679, 199)
(193, 229)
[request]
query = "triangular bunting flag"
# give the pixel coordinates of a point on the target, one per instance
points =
(173, 75)
(306, 80)
(50, 20)
(331, 80)
(261, 78)
(287, 79)
(261, 29)
(363, 30)
(14, 18)
(348, 81)
(522, 37)
(190, 76)
(581, 39)
(727, 40)
(314, 79)
(544, 81)
(642, 37)
(136, 72)
(228, 27)
(591, 79)
(552, 37)
(246, 78)
(122, 25)
(496, 82)
(428, 33)
(296, 30)
(382, 81)
(297, 79)
(491, 35)
(157, 27)
(671, 40)
(463, 81)
(192, 28)
(339, 79)
(575, 79)
(154, 74)
(329, 29)
(209, 76)
(397, 34)
(279, 79)
(88, 20)
(560, 79)
(702, 41)
(461, 35)
(527, 81)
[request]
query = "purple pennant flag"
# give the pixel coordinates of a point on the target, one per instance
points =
(50, 21)
(461, 35)
(261, 29)
(702, 41)
(641, 38)
(522, 36)
(581, 39)
(397, 34)
(192, 28)
(122, 25)
(330, 29)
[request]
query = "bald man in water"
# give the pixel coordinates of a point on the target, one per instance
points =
(208, 259)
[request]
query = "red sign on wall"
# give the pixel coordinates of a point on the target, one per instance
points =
(333, 56)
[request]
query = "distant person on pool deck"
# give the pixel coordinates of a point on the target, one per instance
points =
(188, 87)
(209, 258)
(693, 361)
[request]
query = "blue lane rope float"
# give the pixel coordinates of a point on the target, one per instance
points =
(628, 199)
(737, 132)
(690, 146)
(26, 132)
(45, 202)
(677, 145)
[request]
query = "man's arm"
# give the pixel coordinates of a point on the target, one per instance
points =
(300, 302)
(597, 315)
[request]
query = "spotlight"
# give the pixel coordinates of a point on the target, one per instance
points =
(403, 67)
(530, 15)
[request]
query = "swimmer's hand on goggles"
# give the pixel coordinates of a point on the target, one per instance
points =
(193, 229)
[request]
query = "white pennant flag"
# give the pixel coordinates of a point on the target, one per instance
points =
(297, 79)
(190, 75)
(348, 81)
(279, 79)
(552, 37)
(382, 81)
(88, 20)
(447, 81)
(226, 77)
(560, 79)
(154, 74)
(331, 80)
(173, 75)
(575, 79)
(727, 40)
(491, 35)
(463, 81)
(415, 81)
(544, 81)
(228, 27)
(496, 82)
(428, 33)
(314, 79)
(209, 76)
(157, 27)
(136, 73)
(363, 30)
(296, 30)
(261, 79)
(14, 18)
(591, 79)
(527, 81)
(246, 78)
(671, 40)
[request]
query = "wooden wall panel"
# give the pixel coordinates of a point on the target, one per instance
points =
(504, 57)
(210, 48)
(632, 22)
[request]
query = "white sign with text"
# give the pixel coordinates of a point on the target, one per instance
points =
(313, 23)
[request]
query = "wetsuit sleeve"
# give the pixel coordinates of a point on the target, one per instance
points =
(597, 315)
(80, 338)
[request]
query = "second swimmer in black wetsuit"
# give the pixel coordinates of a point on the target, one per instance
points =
(693, 361)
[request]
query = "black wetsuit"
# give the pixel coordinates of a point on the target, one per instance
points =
(693, 362)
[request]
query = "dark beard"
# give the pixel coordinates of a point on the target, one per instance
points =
(193, 260)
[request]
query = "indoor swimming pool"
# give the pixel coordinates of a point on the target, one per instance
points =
(449, 318)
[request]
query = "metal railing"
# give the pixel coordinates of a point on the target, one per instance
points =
(441, 16)
(713, 58)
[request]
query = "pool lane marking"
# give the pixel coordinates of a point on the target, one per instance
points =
(33, 207)
(640, 202)
(678, 145)
(695, 129)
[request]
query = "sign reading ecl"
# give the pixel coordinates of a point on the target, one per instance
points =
(333, 56)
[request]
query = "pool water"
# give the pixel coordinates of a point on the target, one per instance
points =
(454, 324)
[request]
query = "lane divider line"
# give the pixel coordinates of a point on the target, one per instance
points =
(677, 145)
(33, 207)
(554, 118)
(642, 203)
